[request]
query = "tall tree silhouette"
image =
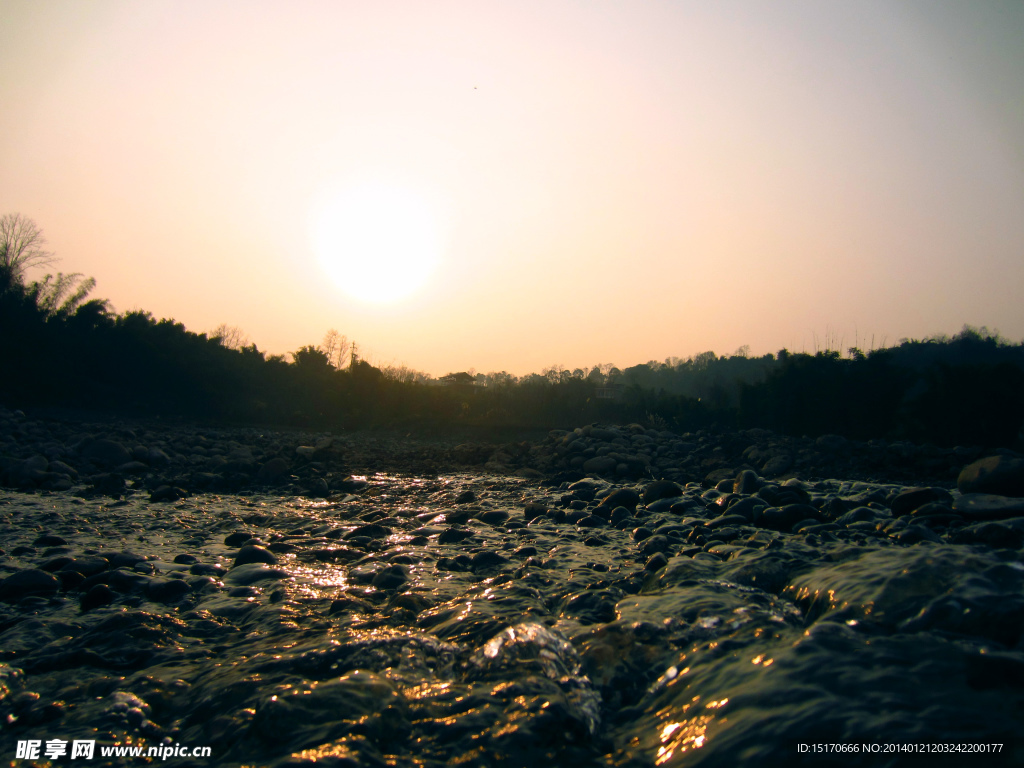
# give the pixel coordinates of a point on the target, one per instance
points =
(21, 245)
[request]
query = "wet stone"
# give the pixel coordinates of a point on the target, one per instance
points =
(623, 497)
(119, 559)
(237, 538)
(453, 535)
(998, 475)
(252, 553)
(167, 590)
(98, 595)
(87, 566)
(369, 531)
(987, 506)
(251, 573)
(391, 577)
(907, 502)
(207, 569)
(662, 489)
(49, 540)
(28, 583)
(487, 559)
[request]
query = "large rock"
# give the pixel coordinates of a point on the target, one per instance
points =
(274, 470)
(109, 453)
(600, 465)
(777, 465)
(1001, 475)
(27, 583)
(661, 489)
(988, 506)
(913, 498)
(621, 497)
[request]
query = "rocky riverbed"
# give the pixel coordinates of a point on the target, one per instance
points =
(702, 599)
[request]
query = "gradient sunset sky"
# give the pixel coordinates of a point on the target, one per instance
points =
(599, 182)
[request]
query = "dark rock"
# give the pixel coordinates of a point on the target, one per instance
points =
(998, 535)
(316, 488)
(727, 521)
(621, 497)
(777, 465)
(934, 508)
(274, 471)
(55, 564)
(105, 452)
(125, 559)
(370, 530)
(639, 534)
(237, 539)
(27, 583)
(487, 559)
(110, 484)
(988, 506)
(167, 591)
(746, 482)
(336, 554)
(746, 508)
(781, 495)
(493, 516)
(167, 493)
(70, 580)
(453, 535)
(391, 577)
(713, 478)
(157, 458)
(49, 540)
(119, 580)
(254, 554)
(465, 497)
(253, 572)
(620, 514)
(600, 465)
(660, 489)
(185, 559)
(999, 475)
(207, 569)
(87, 566)
(655, 543)
(132, 468)
(909, 500)
(656, 562)
(784, 518)
(831, 443)
(533, 510)
(98, 595)
(915, 533)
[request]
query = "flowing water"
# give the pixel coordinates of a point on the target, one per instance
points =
(429, 622)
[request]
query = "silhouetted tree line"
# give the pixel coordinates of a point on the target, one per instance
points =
(58, 349)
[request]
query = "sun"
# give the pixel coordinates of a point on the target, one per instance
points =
(378, 243)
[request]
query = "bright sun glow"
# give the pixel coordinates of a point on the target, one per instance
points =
(378, 243)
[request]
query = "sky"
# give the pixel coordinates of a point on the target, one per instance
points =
(514, 185)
